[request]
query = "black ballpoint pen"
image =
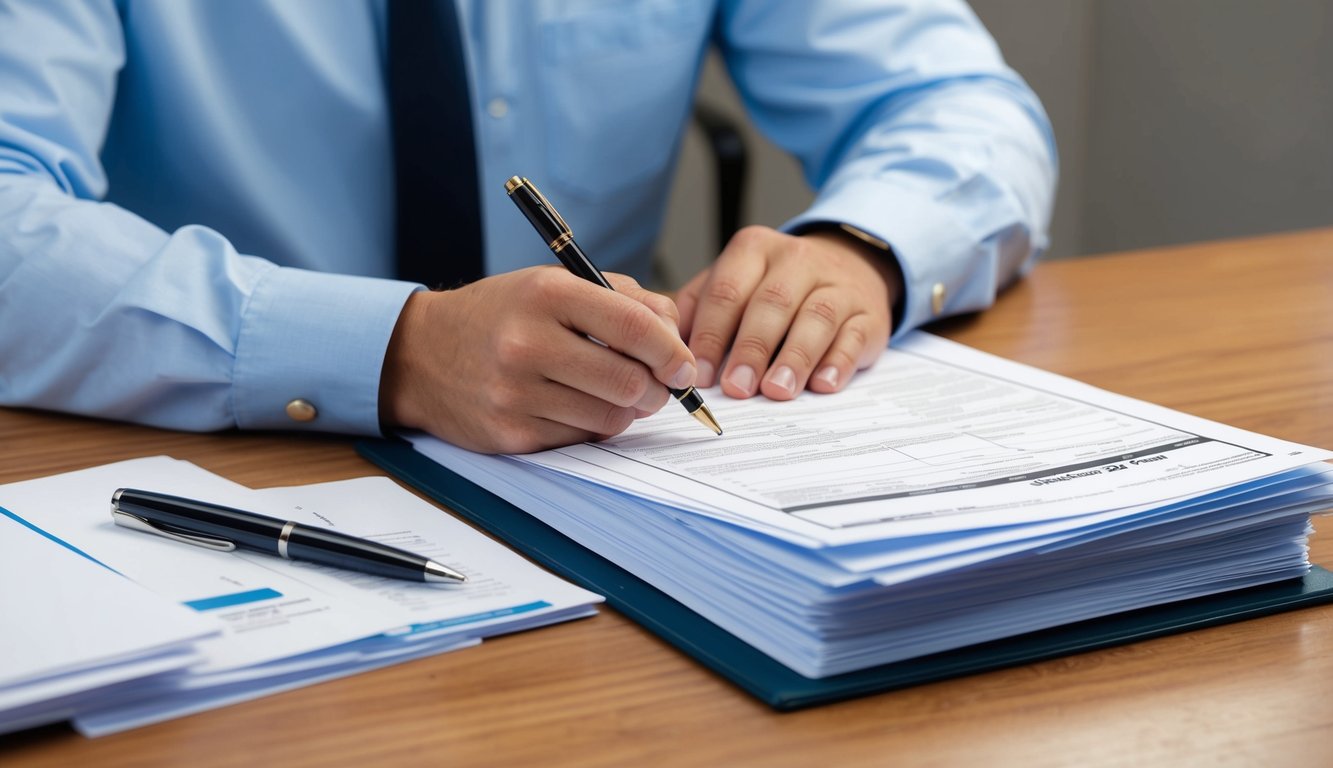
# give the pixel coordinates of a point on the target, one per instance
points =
(225, 529)
(553, 229)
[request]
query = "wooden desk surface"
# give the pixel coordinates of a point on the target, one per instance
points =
(1237, 331)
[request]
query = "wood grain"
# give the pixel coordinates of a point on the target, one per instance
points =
(1237, 331)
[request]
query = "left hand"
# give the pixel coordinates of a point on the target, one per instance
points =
(793, 310)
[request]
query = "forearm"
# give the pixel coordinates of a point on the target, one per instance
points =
(911, 128)
(959, 183)
(102, 313)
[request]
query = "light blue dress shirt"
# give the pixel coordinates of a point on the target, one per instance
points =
(196, 198)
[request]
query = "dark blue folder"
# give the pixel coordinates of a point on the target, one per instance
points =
(766, 679)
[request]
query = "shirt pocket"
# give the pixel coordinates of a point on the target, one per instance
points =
(616, 83)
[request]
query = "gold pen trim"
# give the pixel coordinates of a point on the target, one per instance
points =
(560, 242)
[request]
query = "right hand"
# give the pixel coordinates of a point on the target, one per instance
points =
(505, 365)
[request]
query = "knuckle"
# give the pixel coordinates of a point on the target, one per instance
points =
(750, 236)
(512, 348)
(663, 306)
(628, 385)
(821, 310)
(723, 291)
(801, 356)
(637, 324)
(752, 348)
(856, 335)
(708, 342)
(547, 284)
(776, 294)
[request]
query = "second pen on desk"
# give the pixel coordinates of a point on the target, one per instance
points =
(553, 229)
(224, 529)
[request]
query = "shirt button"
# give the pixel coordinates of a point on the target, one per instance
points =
(301, 410)
(937, 295)
(497, 108)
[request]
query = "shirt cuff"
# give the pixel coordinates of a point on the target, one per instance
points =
(311, 349)
(938, 256)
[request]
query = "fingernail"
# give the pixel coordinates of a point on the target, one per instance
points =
(742, 378)
(685, 376)
(706, 374)
(784, 379)
(829, 376)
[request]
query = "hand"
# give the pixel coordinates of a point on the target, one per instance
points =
(505, 364)
(793, 310)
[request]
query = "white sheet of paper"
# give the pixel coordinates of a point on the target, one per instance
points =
(51, 599)
(936, 438)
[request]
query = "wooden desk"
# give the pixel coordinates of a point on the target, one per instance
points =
(1240, 332)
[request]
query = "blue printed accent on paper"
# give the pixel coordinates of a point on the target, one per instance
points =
(446, 623)
(236, 598)
(56, 539)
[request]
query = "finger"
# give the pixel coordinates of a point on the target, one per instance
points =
(609, 376)
(661, 305)
(687, 303)
(628, 327)
(812, 331)
(859, 343)
(722, 300)
(540, 414)
(767, 319)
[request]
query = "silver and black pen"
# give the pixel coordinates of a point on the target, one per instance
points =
(558, 237)
(225, 529)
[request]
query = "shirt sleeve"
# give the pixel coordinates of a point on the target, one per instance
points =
(103, 313)
(911, 128)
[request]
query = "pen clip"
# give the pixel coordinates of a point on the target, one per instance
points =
(564, 228)
(134, 522)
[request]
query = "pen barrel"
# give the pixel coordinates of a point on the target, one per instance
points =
(576, 261)
(244, 529)
(317, 545)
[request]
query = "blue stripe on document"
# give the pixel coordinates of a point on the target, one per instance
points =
(444, 623)
(56, 539)
(236, 598)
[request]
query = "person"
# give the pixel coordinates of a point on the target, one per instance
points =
(197, 210)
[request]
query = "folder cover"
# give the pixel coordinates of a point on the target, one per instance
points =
(775, 684)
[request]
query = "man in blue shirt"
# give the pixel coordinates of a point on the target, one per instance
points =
(196, 209)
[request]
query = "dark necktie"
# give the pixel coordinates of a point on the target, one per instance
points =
(438, 224)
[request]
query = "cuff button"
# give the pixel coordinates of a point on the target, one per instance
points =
(937, 296)
(301, 410)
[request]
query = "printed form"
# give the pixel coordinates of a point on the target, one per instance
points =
(936, 438)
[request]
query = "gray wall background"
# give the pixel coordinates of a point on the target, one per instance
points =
(1177, 121)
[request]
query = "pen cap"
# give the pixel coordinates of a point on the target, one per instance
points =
(181, 515)
(543, 217)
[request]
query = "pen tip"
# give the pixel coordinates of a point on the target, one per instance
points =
(706, 418)
(436, 573)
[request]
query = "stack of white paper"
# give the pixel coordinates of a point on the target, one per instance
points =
(48, 657)
(277, 624)
(946, 498)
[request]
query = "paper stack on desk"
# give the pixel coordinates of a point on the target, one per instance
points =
(261, 624)
(49, 660)
(945, 499)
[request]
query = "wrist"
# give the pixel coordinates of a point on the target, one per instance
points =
(877, 253)
(395, 374)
